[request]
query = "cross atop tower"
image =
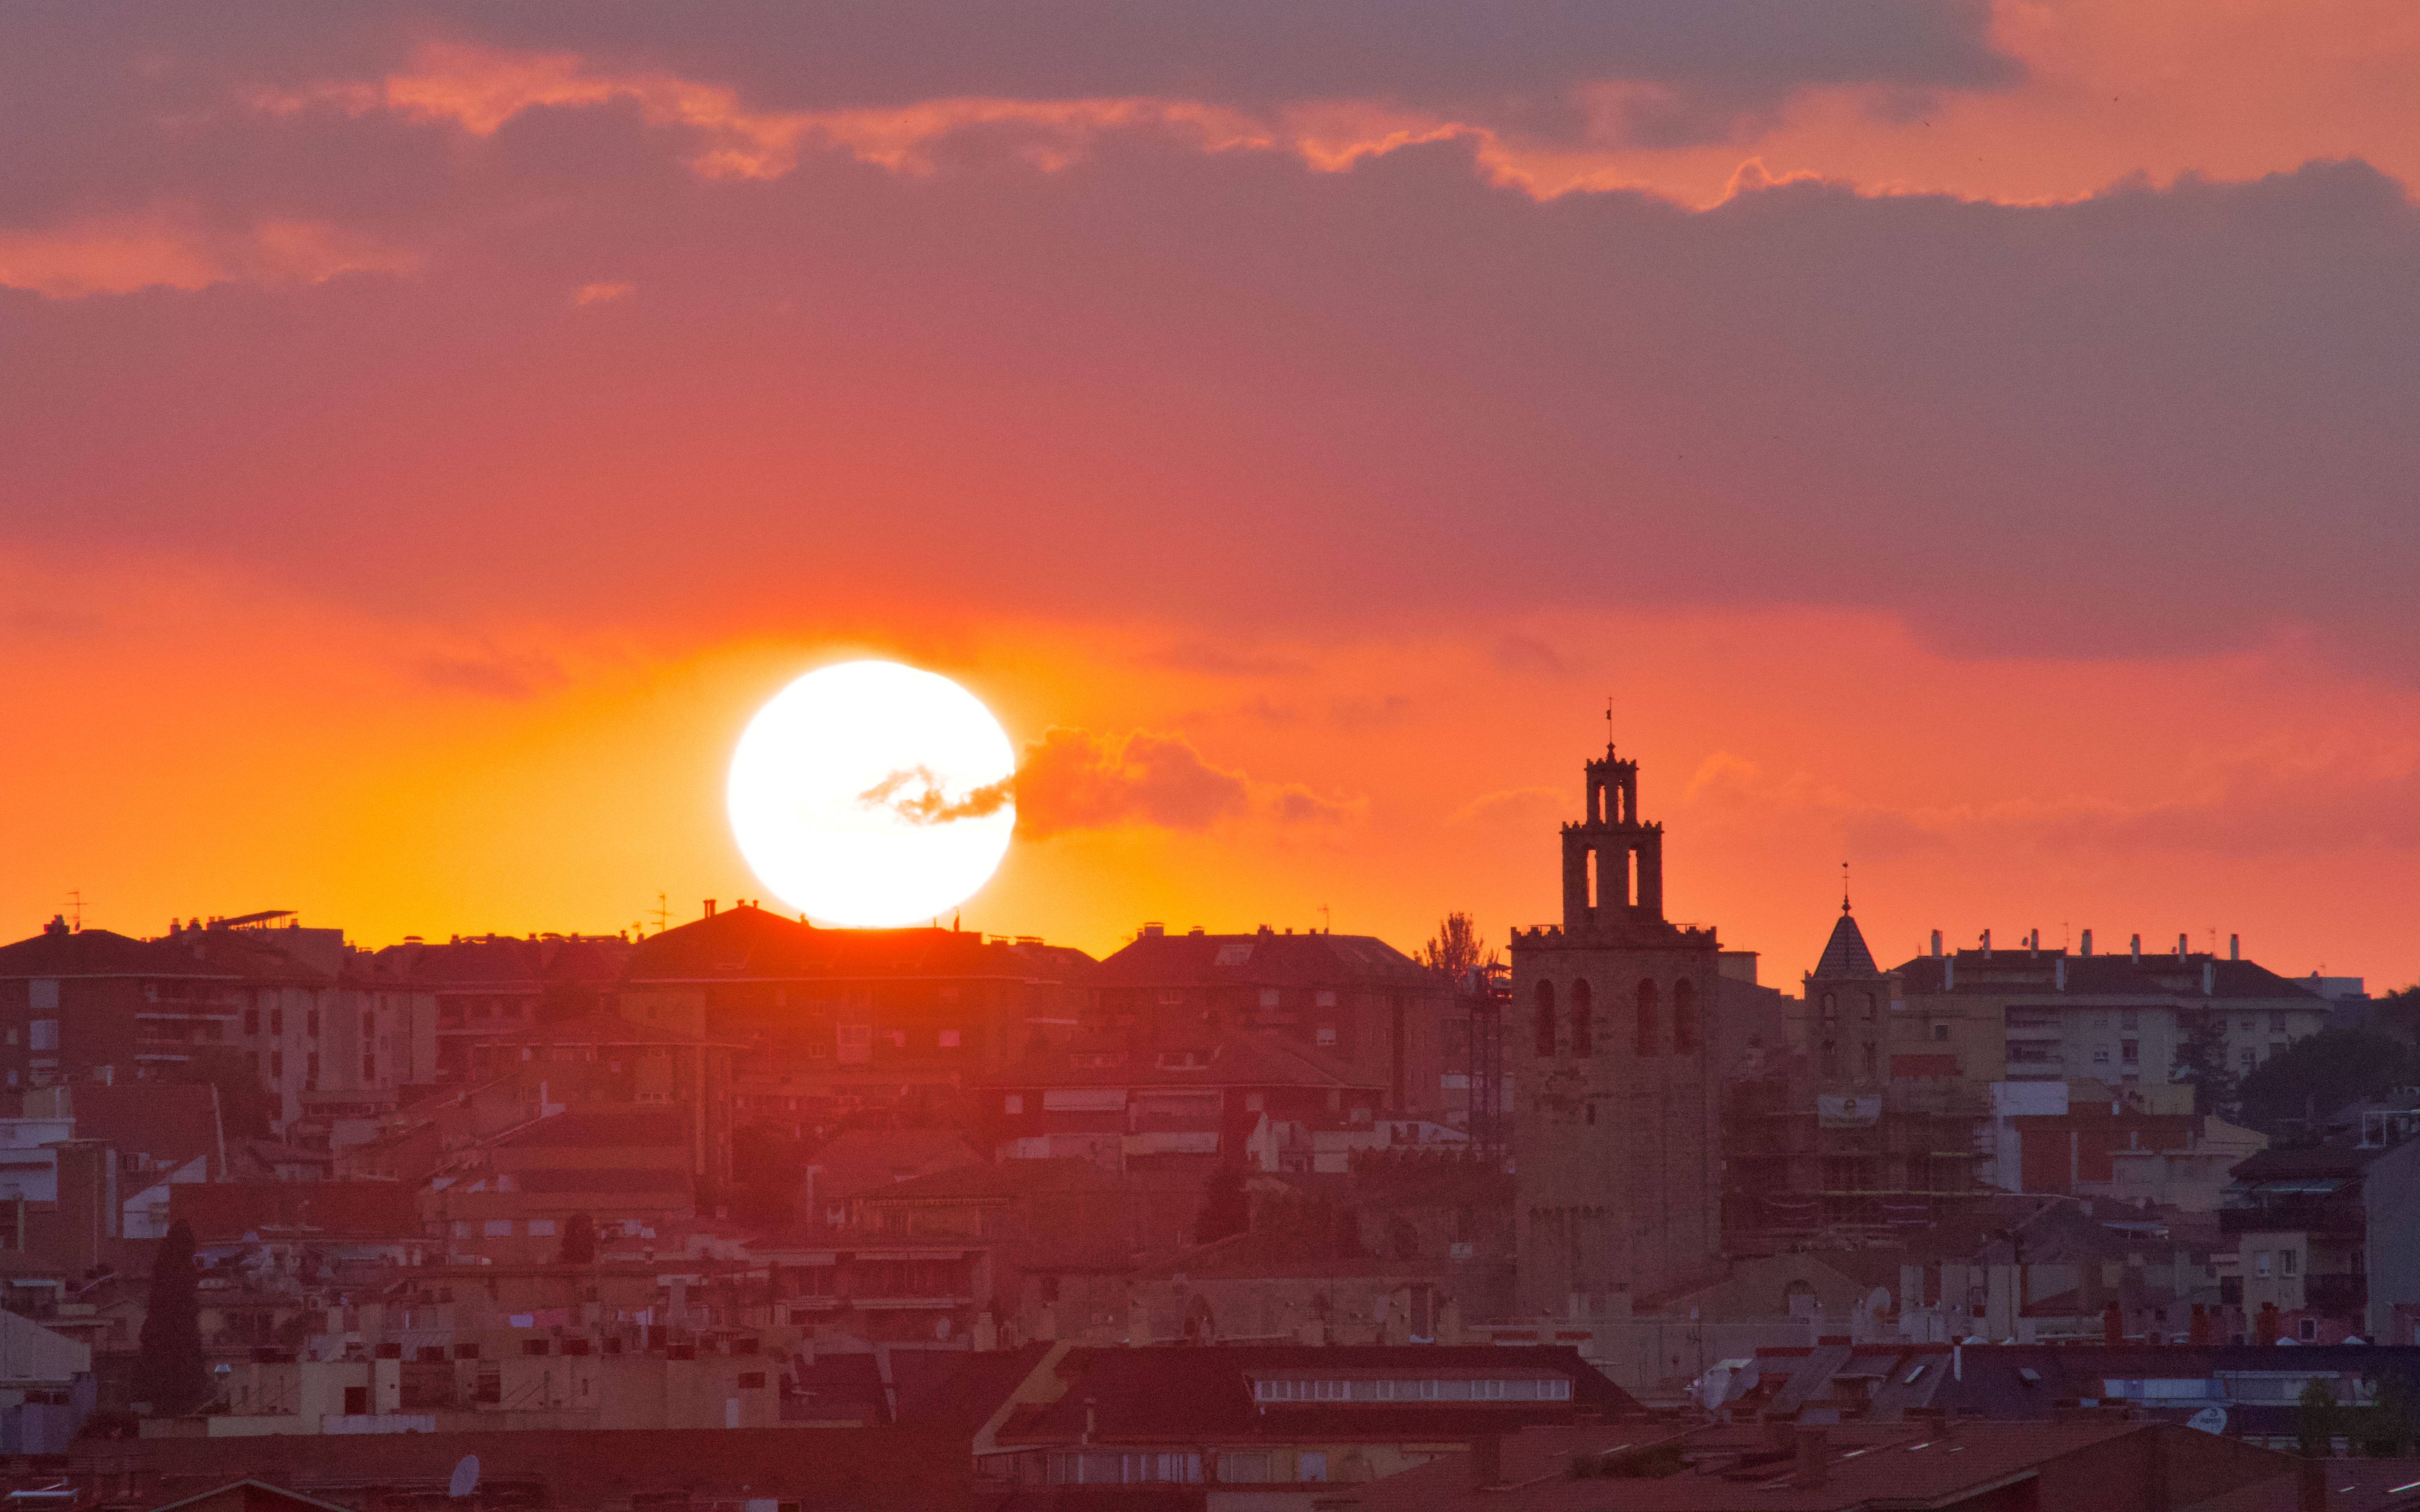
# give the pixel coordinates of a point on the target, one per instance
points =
(1844, 887)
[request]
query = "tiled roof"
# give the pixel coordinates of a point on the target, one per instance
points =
(1266, 958)
(601, 1129)
(745, 943)
(99, 952)
(823, 1469)
(170, 1121)
(2017, 973)
(1845, 953)
(1729, 1467)
(1175, 1394)
(1213, 1059)
(866, 1160)
(223, 1210)
(1008, 1180)
(600, 1031)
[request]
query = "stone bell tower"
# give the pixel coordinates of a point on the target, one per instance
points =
(1618, 1178)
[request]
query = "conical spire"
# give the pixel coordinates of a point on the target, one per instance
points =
(1845, 953)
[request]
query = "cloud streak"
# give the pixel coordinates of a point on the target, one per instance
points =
(1075, 779)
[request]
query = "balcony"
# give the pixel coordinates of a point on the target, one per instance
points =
(2345, 1295)
(2282, 1216)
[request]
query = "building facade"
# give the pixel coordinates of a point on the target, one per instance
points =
(1616, 1094)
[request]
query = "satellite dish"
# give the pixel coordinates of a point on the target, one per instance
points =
(2209, 1419)
(466, 1478)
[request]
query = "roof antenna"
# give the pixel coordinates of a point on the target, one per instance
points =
(1844, 887)
(1608, 724)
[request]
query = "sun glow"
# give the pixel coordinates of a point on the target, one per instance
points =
(870, 794)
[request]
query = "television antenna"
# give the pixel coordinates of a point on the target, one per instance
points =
(465, 1477)
(75, 909)
(663, 914)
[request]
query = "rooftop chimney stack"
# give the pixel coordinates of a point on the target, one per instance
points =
(1936, 944)
(2235, 947)
(1813, 1457)
(1987, 944)
(2033, 945)
(2135, 945)
(2182, 949)
(2088, 942)
(2311, 1485)
(709, 908)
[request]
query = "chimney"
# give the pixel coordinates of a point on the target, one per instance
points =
(2088, 942)
(709, 908)
(2033, 945)
(2181, 949)
(2235, 947)
(1814, 1459)
(1487, 1459)
(2135, 945)
(1936, 945)
(1153, 931)
(1987, 944)
(2311, 1486)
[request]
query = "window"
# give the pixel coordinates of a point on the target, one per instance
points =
(277, 1065)
(1583, 1019)
(751, 1380)
(357, 1402)
(497, 1228)
(1244, 1468)
(2100, 1054)
(2310, 1329)
(541, 1228)
(1311, 1464)
(277, 1021)
(1649, 1011)
(950, 1039)
(1325, 997)
(1870, 1007)
(1545, 1019)
(1254, 1102)
(2289, 1262)
(1325, 1035)
(369, 1068)
(1684, 1015)
(2130, 1052)
(42, 1034)
(856, 1043)
(2276, 1022)
(42, 993)
(1171, 996)
(311, 1071)
(1941, 1031)
(311, 1024)
(369, 1025)
(252, 1021)
(2245, 1023)
(1012, 1103)
(2250, 1059)
(2260, 1263)
(1268, 997)
(2131, 1019)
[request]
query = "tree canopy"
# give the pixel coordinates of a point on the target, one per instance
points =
(2315, 1076)
(170, 1370)
(1455, 948)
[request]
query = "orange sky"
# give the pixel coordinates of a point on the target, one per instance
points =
(430, 445)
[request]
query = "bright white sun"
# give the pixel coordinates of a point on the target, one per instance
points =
(870, 794)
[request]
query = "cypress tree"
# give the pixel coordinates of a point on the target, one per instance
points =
(579, 1239)
(1226, 1210)
(170, 1371)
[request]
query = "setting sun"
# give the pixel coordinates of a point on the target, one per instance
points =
(870, 794)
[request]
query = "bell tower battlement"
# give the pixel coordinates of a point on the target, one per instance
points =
(1613, 861)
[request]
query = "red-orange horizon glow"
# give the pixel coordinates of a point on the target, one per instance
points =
(1973, 447)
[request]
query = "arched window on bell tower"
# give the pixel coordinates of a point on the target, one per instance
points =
(1650, 1009)
(1583, 1019)
(1545, 1019)
(1685, 1016)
